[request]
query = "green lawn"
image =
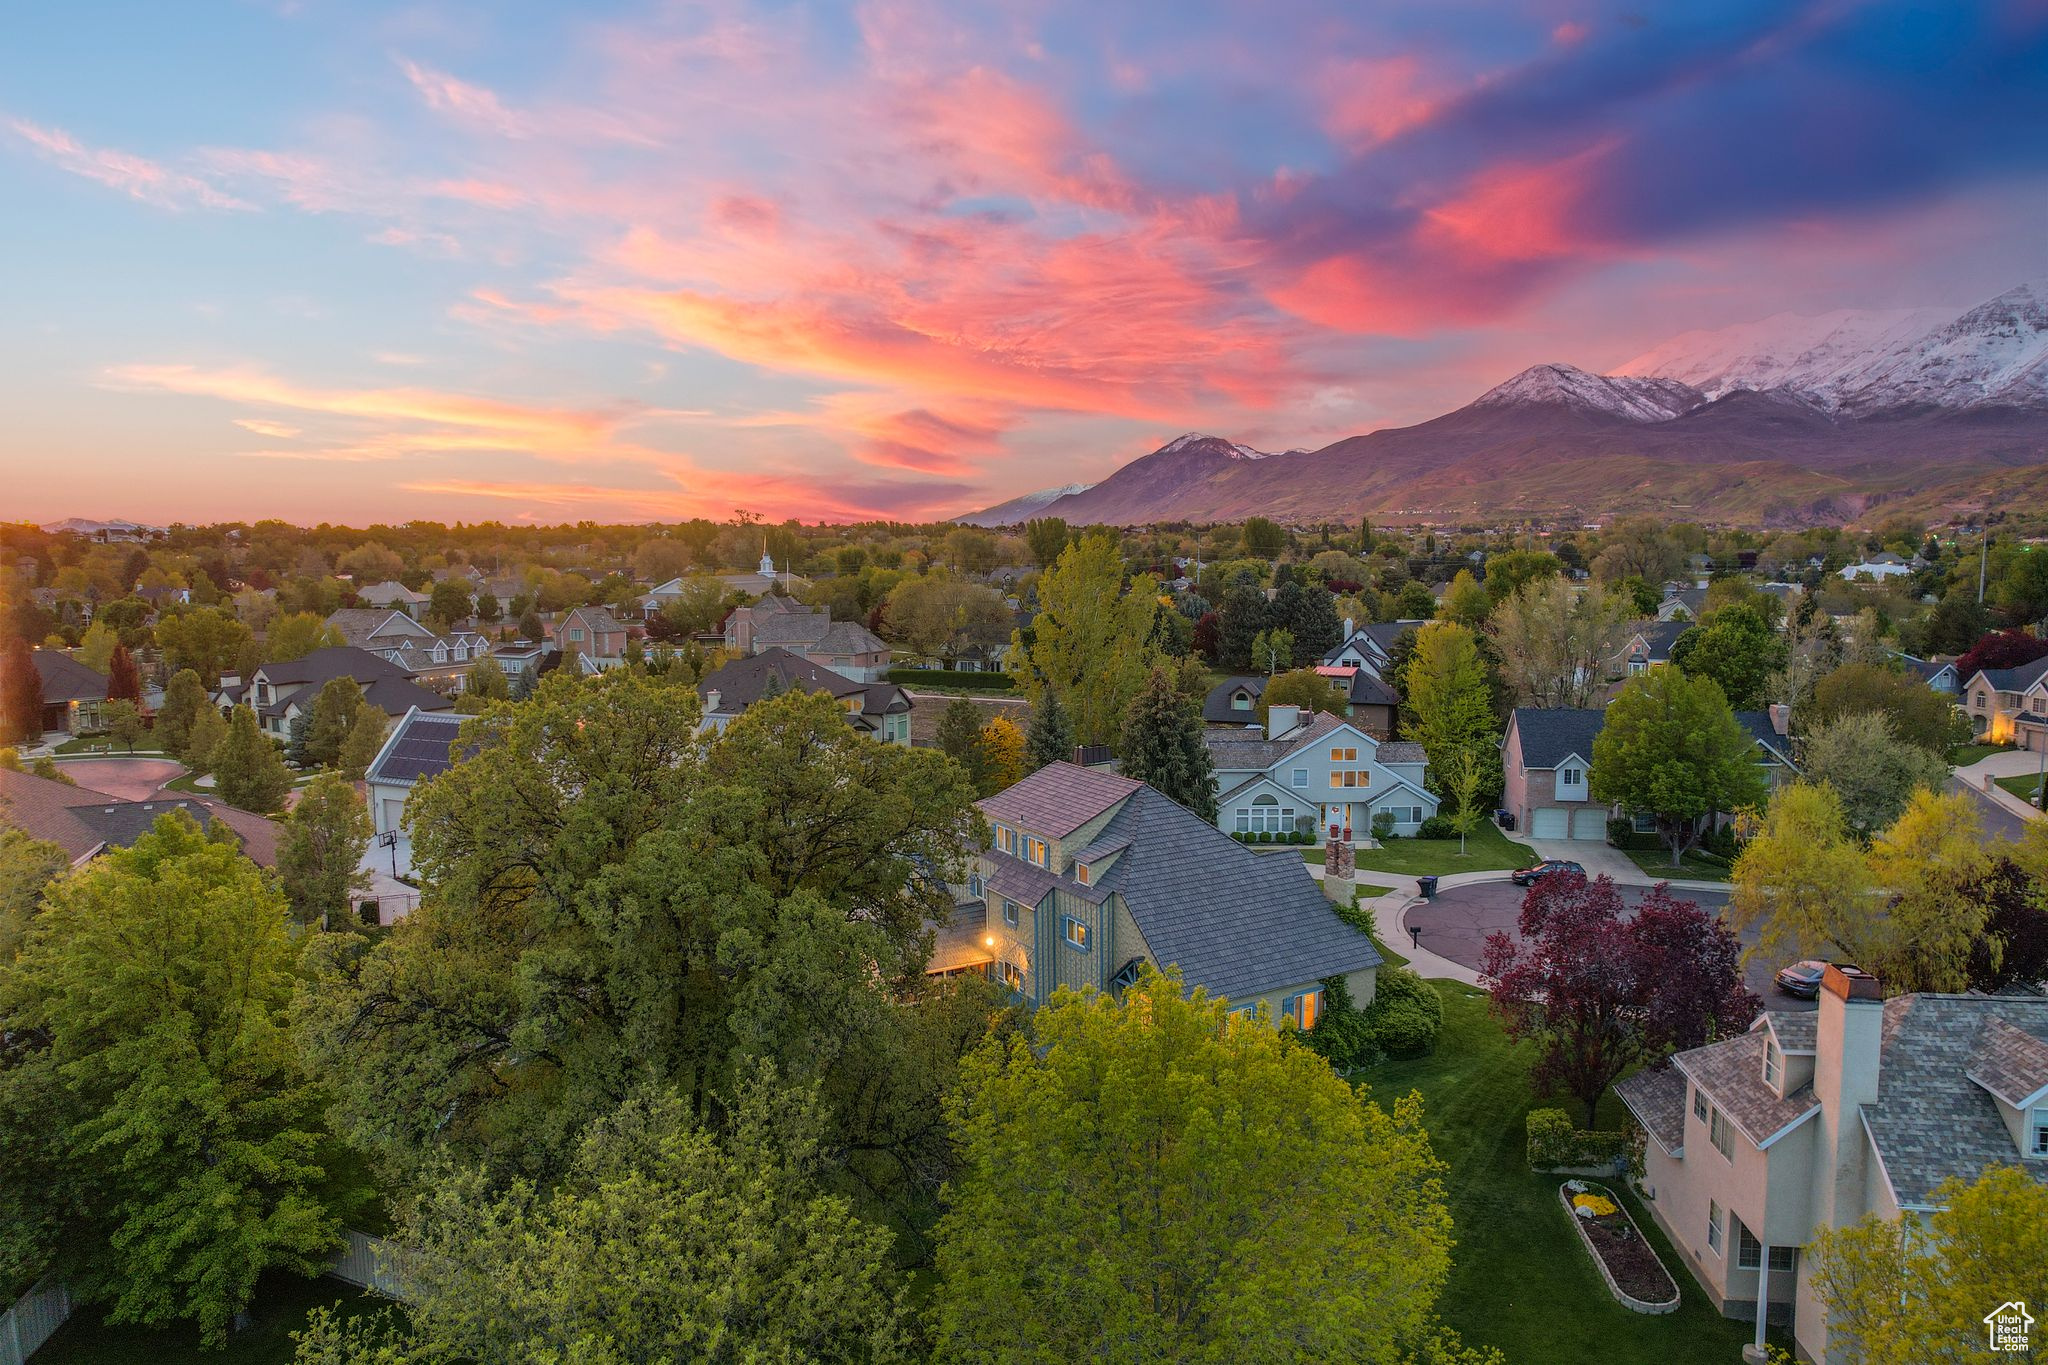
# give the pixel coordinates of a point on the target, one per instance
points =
(1963, 755)
(1657, 862)
(2024, 786)
(1520, 1280)
(1488, 850)
(282, 1303)
(98, 746)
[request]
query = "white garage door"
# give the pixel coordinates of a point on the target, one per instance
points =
(1548, 823)
(1589, 824)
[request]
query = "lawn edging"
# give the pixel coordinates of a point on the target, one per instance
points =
(1621, 1296)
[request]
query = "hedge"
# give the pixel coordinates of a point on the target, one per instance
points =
(1555, 1142)
(951, 677)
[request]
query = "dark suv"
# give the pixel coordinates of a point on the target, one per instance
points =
(1528, 876)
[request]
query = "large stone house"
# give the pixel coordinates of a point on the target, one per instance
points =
(281, 692)
(1315, 774)
(2009, 705)
(440, 661)
(846, 647)
(880, 709)
(1089, 875)
(1547, 765)
(1812, 1120)
(72, 693)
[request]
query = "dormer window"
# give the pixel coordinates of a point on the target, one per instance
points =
(1082, 873)
(1240, 701)
(1774, 1064)
(1571, 777)
(2039, 1129)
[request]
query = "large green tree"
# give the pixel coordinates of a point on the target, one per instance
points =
(664, 1241)
(1735, 647)
(1162, 745)
(1556, 640)
(184, 699)
(27, 866)
(959, 737)
(334, 714)
(1447, 704)
(1916, 713)
(208, 640)
(248, 771)
(1873, 771)
(1104, 1211)
(21, 694)
(1051, 736)
(320, 853)
(297, 634)
(611, 898)
(1087, 643)
(163, 1143)
(1672, 748)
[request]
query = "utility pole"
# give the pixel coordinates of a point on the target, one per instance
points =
(1983, 558)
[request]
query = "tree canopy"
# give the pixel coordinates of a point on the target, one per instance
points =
(1672, 748)
(1086, 643)
(1162, 745)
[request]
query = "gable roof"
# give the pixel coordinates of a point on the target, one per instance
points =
(83, 822)
(1552, 734)
(1927, 670)
(65, 679)
(2010, 1063)
(419, 747)
(1237, 923)
(389, 591)
(1657, 638)
(1758, 723)
(1732, 1074)
(1930, 1120)
(360, 625)
(329, 662)
(1216, 707)
(1242, 750)
(1058, 799)
(2018, 678)
(1657, 1099)
(742, 682)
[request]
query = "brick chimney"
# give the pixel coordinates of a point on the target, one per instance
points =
(1781, 718)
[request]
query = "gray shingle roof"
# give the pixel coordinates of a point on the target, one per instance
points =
(1551, 734)
(1930, 1121)
(1400, 751)
(2010, 1062)
(1797, 1030)
(1239, 750)
(1732, 1074)
(1236, 922)
(329, 662)
(2016, 679)
(1216, 707)
(1058, 799)
(80, 820)
(1657, 1099)
(66, 679)
(742, 682)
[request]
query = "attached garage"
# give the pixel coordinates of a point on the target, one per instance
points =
(1590, 823)
(1549, 822)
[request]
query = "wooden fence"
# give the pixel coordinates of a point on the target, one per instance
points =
(35, 1317)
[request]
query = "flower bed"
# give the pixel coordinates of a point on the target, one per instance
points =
(1634, 1274)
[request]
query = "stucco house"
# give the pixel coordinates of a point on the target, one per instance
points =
(1547, 764)
(1877, 568)
(1813, 1120)
(1089, 875)
(2010, 705)
(280, 692)
(879, 709)
(1315, 773)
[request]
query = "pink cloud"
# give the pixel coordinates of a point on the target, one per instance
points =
(137, 177)
(467, 103)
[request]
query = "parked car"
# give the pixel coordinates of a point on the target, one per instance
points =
(1802, 978)
(1528, 876)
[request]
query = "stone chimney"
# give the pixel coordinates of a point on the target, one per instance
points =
(1849, 1036)
(1282, 720)
(1781, 718)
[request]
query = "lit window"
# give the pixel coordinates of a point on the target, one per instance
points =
(1013, 976)
(1075, 933)
(1349, 755)
(1351, 777)
(1304, 1009)
(1081, 873)
(1714, 1226)
(1034, 852)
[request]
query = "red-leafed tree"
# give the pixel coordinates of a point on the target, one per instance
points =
(21, 694)
(1205, 635)
(124, 680)
(1601, 991)
(2000, 649)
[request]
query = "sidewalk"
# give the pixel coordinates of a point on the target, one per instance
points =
(2012, 763)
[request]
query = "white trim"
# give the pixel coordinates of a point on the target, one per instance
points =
(2028, 1103)
(1789, 1127)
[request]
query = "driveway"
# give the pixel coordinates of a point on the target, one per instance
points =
(1977, 778)
(1596, 857)
(1458, 922)
(126, 779)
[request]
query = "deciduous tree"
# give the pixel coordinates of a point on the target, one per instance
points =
(1446, 704)
(1302, 687)
(1671, 748)
(320, 853)
(1872, 770)
(21, 694)
(365, 738)
(1555, 642)
(1087, 643)
(1735, 647)
(27, 866)
(297, 634)
(1465, 602)
(1328, 1240)
(959, 738)
(207, 640)
(1002, 754)
(1916, 713)
(2001, 649)
(1047, 537)
(124, 680)
(123, 723)
(333, 716)
(184, 698)
(209, 728)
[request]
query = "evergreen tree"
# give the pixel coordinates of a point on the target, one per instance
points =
(365, 738)
(21, 695)
(124, 681)
(960, 737)
(319, 856)
(1162, 746)
(334, 711)
(295, 752)
(1243, 615)
(184, 699)
(248, 771)
(209, 728)
(123, 723)
(1051, 738)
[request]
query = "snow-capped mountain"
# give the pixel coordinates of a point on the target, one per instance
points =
(1198, 441)
(1022, 508)
(1629, 398)
(1866, 361)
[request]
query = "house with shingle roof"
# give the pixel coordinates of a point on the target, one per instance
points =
(86, 823)
(72, 693)
(880, 709)
(1864, 1106)
(421, 746)
(435, 659)
(845, 647)
(1648, 646)
(1314, 774)
(2010, 705)
(589, 639)
(280, 692)
(1089, 876)
(392, 595)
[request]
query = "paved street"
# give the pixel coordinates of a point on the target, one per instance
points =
(129, 779)
(1457, 923)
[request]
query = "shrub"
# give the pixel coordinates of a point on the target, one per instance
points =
(1342, 1035)
(1554, 1141)
(1405, 1015)
(1383, 825)
(1437, 827)
(951, 677)
(1619, 830)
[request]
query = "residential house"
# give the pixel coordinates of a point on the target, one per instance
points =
(87, 823)
(280, 692)
(591, 636)
(1370, 646)
(659, 596)
(1939, 674)
(765, 579)
(776, 622)
(1364, 698)
(72, 693)
(420, 746)
(1088, 876)
(1813, 1120)
(1648, 646)
(880, 709)
(1683, 603)
(393, 596)
(2010, 705)
(524, 661)
(1547, 764)
(1316, 773)
(1877, 568)
(439, 661)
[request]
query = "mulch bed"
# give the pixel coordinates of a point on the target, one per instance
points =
(1629, 1259)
